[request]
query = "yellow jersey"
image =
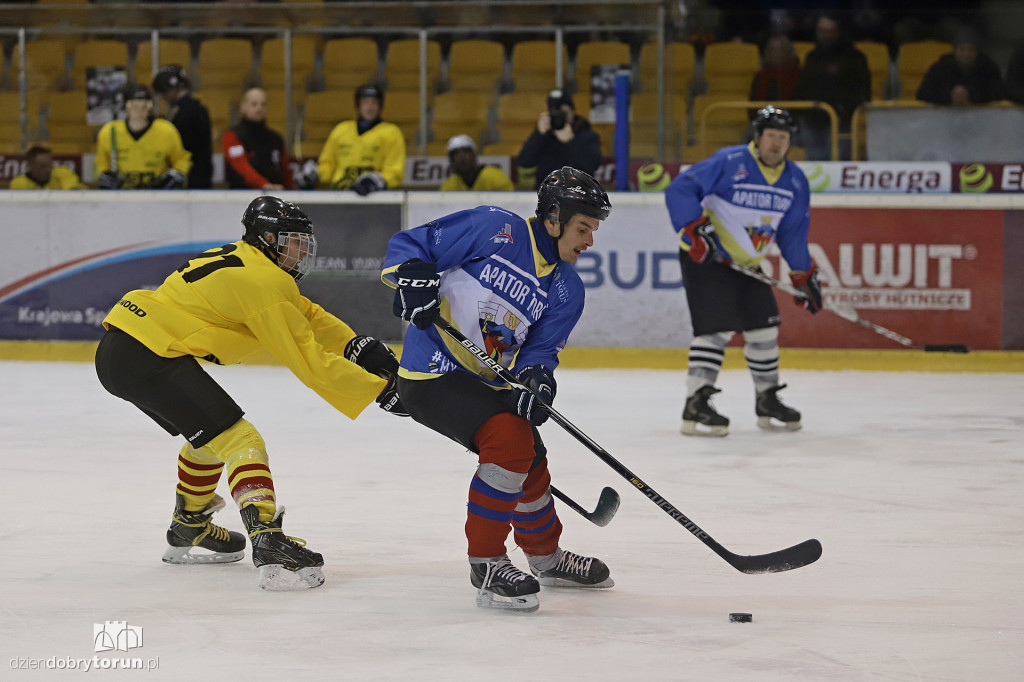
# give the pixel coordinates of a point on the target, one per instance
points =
(347, 155)
(61, 177)
(228, 303)
(141, 159)
(489, 179)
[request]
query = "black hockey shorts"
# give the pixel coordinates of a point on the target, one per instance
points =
(723, 300)
(175, 392)
(456, 405)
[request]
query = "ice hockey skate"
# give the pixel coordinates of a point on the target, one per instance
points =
(769, 407)
(194, 539)
(500, 585)
(698, 410)
(284, 562)
(567, 569)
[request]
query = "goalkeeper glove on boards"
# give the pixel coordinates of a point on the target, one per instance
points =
(172, 179)
(702, 241)
(417, 299)
(809, 283)
(369, 182)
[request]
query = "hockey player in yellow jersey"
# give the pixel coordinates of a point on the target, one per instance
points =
(225, 305)
(468, 173)
(141, 152)
(42, 174)
(365, 155)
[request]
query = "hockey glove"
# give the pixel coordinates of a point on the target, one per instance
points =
(702, 241)
(172, 179)
(417, 299)
(307, 177)
(110, 180)
(540, 379)
(810, 284)
(372, 355)
(389, 400)
(369, 182)
(525, 404)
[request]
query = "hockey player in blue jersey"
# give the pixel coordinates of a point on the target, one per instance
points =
(509, 285)
(736, 203)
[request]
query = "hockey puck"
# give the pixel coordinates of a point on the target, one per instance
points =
(741, 618)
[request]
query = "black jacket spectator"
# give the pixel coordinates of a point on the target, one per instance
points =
(1015, 76)
(192, 120)
(837, 74)
(966, 76)
(546, 152)
(254, 156)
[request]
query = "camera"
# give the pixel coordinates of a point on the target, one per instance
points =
(557, 119)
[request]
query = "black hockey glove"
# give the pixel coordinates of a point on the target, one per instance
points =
(110, 180)
(389, 400)
(539, 379)
(172, 179)
(369, 182)
(417, 299)
(702, 241)
(810, 284)
(372, 355)
(307, 177)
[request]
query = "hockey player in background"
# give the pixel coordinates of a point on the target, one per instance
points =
(225, 305)
(509, 285)
(736, 204)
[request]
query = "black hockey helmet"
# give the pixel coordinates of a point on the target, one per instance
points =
(369, 90)
(170, 77)
(288, 223)
(568, 191)
(774, 117)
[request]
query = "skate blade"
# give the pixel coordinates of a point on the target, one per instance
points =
(690, 429)
(550, 581)
(767, 424)
(198, 555)
(527, 603)
(275, 578)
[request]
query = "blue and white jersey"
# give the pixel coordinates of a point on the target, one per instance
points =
(502, 286)
(750, 205)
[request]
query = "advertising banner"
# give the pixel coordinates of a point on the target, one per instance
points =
(983, 178)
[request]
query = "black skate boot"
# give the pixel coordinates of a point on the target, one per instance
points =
(571, 570)
(699, 410)
(284, 562)
(768, 407)
(500, 585)
(194, 539)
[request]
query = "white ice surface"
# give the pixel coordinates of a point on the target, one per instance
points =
(912, 482)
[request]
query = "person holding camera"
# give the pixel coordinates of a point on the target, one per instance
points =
(561, 138)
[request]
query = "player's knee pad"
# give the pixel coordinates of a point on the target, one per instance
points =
(238, 445)
(761, 338)
(716, 341)
(506, 440)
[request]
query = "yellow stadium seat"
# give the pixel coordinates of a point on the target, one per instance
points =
(878, 63)
(224, 63)
(272, 61)
(171, 52)
(725, 127)
(476, 65)
(802, 48)
(349, 63)
(533, 65)
(437, 148)
(323, 111)
(45, 60)
(510, 148)
(729, 67)
(914, 60)
(402, 64)
(680, 65)
(458, 113)
(402, 107)
(66, 118)
(223, 106)
(96, 53)
(598, 52)
(517, 115)
(10, 109)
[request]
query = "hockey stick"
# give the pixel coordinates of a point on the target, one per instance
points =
(849, 315)
(806, 552)
(602, 515)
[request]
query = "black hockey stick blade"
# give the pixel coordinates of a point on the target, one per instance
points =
(947, 348)
(602, 515)
(797, 556)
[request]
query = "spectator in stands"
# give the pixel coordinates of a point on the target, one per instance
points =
(191, 119)
(42, 174)
(561, 138)
(468, 173)
(1015, 75)
(777, 79)
(141, 152)
(834, 72)
(965, 76)
(256, 156)
(365, 155)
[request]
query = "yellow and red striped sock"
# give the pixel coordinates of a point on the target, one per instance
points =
(198, 474)
(242, 448)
